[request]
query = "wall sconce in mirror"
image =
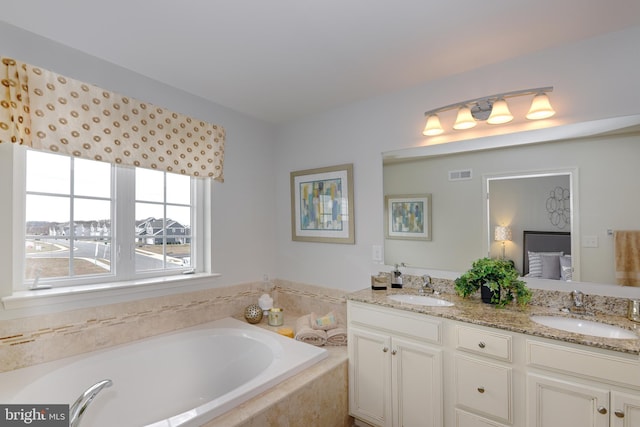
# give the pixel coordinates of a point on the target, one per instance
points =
(494, 109)
(502, 234)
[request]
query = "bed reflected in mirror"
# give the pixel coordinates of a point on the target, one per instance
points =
(530, 222)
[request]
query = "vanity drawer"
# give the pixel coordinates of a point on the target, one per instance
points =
(487, 343)
(589, 364)
(400, 322)
(484, 388)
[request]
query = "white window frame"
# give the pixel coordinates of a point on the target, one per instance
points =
(15, 293)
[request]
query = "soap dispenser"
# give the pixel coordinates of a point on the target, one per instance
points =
(396, 276)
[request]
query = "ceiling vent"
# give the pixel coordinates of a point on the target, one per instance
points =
(460, 175)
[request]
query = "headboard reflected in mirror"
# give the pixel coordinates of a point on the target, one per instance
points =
(547, 255)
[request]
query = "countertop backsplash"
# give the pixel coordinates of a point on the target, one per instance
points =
(596, 304)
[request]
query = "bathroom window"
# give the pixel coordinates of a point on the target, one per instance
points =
(93, 222)
(163, 220)
(68, 217)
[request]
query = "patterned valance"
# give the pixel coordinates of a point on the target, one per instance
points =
(47, 111)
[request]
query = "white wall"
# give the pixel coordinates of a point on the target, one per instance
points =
(244, 206)
(592, 80)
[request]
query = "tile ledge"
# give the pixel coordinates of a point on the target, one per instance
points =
(143, 288)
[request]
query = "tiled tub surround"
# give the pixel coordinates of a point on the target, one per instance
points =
(38, 339)
(317, 396)
(512, 318)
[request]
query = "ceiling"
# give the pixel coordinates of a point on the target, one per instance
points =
(280, 60)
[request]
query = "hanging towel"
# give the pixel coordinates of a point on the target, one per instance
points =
(627, 257)
(305, 333)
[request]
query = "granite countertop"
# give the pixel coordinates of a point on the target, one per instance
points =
(514, 319)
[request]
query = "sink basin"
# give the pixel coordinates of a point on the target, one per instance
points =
(420, 300)
(584, 327)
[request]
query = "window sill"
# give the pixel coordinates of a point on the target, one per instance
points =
(62, 298)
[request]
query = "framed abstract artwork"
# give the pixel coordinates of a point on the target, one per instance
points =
(408, 216)
(322, 205)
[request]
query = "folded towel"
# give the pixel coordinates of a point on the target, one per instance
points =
(324, 323)
(305, 333)
(337, 336)
(627, 257)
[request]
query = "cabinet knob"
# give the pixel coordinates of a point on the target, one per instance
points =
(394, 352)
(602, 410)
(619, 413)
(481, 344)
(385, 349)
(480, 389)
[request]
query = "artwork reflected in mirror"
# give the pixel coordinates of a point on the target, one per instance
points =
(408, 217)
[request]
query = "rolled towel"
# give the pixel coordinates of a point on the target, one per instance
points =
(337, 336)
(305, 333)
(324, 323)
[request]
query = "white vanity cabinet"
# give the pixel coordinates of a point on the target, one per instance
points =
(625, 408)
(566, 403)
(567, 385)
(395, 371)
(483, 376)
(411, 369)
(555, 402)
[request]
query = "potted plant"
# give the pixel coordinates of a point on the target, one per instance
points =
(498, 280)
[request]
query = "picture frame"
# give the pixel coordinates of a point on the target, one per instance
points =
(408, 216)
(322, 205)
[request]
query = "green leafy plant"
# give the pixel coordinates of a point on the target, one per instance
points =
(500, 276)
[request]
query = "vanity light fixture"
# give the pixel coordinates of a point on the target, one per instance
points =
(502, 234)
(494, 109)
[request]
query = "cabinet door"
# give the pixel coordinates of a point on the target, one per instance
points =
(416, 384)
(625, 409)
(557, 403)
(370, 376)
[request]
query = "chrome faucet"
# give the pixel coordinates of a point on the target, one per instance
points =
(80, 405)
(577, 298)
(426, 284)
(578, 302)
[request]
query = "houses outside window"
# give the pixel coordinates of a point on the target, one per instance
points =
(163, 218)
(68, 217)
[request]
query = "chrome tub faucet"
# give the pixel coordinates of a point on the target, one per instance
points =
(80, 405)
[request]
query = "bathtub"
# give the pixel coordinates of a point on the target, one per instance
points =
(185, 378)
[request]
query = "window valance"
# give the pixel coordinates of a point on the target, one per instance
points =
(47, 111)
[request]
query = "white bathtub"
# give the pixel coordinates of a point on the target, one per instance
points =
(182, 379)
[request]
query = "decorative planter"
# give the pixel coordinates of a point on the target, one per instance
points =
(487, 294)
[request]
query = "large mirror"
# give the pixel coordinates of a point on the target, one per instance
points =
(581, 182)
